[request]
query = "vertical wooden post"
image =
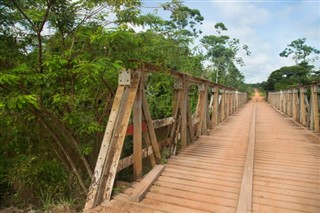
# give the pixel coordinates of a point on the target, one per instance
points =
(174, 129)
(281, 101)
(227, 103)
(204, 126)
(290, 103)
(314, 107)
(284, 102)
(302, 107)
(232, 103)
(237, 100)
(222, 105)
(215, 107)
(189, 119)
(201, 108)
(294, 104)
(183, 107)
(137, 133)
(101, 188)
(104, 149)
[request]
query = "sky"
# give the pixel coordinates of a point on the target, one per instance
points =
(267, 27)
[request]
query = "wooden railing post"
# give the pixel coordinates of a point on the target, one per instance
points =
(227, 104)
(175, 128)
(111, 147)
(302, 106)
(281, 100)
(295, 104)
(215, 106)
(205, 109)
(232, 109)
(183, 109)
(289, 102)
(314, 108)
(137, 133)
(222, 104)
(200, 112)
(237, 100)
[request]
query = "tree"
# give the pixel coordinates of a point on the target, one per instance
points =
(300, 51)
(287, 77)
(222, 53)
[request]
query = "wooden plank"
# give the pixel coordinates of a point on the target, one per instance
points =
(189, 120)
(151, 131)
(118, 140)
(200, 109)
(315, 108)
(207, 199)
(193, 205)
(162, 122)
(222, 106)
(140, 191)
(204, 126)
(148, 144)
(294, 105)
(286, 205)
(245, 197)
(137, 134)
(105, 146)
(183, 110)
(128, 161)
(175, 111)
(197, 190)
(215, 107)
(166, 207)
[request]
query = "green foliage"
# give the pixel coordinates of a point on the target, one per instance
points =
(222, 54)
(59, 62)
(165, 154)
(287, 77)
(300, 51)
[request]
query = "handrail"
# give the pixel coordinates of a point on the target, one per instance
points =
(301, 103)
(215, 104)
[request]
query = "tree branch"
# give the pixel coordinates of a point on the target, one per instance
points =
(25, 15)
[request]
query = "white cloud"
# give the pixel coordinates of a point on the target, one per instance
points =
(267, 28)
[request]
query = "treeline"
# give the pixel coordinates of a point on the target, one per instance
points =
(302, 73)
(59, 61)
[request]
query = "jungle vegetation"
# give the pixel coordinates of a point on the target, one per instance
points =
(59, 62)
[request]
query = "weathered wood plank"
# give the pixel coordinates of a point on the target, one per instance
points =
(215, 107)
(315, 108)
(118, 140)
(128, 161)
(140, 191)
(162, 122)
(148, 144)
(152, 134)
(183, 110)
(189, 120)
(105, 146)
(137, 134)
(245, 197)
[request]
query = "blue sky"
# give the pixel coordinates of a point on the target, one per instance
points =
(265, 26)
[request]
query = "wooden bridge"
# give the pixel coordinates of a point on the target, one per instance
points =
(227, 155)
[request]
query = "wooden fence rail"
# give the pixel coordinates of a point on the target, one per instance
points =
(301, 103)
(215, 103)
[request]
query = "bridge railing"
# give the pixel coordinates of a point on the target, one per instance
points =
(130, 115)
(301, 103)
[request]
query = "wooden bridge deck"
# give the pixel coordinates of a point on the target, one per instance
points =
(207, 176)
